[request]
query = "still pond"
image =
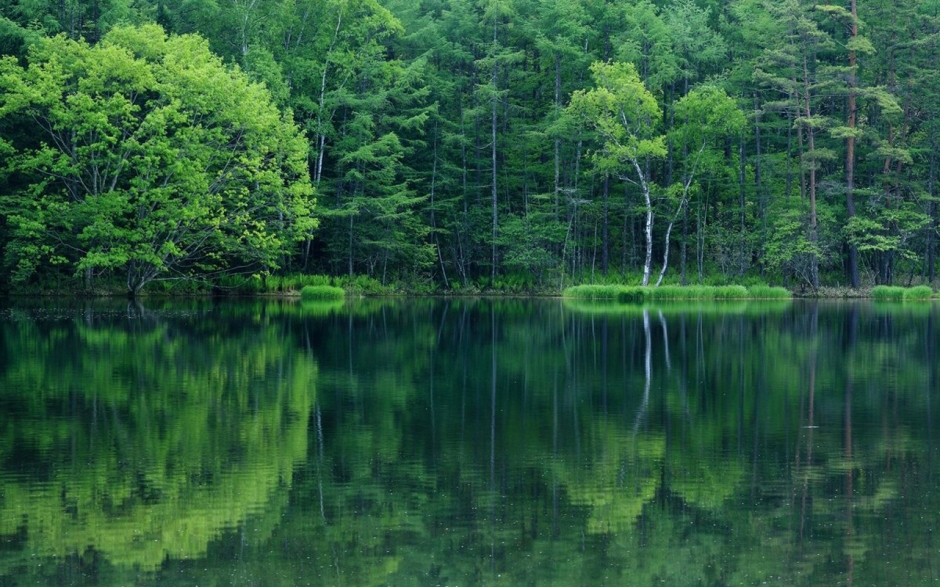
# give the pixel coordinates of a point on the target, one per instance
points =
(468, 442)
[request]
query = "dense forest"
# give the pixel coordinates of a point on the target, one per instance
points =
(469, 145)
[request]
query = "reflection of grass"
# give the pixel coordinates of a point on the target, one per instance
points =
(635, 294)
(322, 292)
(319, 307)
(892, 308)
(678, 307)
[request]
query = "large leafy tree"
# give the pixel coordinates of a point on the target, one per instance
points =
(154, 160)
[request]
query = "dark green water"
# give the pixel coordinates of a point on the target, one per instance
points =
(463, 443)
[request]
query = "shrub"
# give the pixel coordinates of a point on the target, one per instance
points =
(322, 292)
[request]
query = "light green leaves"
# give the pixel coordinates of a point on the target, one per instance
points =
(622, 112)
(158, 159)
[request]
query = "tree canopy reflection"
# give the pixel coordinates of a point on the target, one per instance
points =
(503, 443)
(145, 440)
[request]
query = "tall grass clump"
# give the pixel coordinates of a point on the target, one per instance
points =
(730, 292)
(766, 292)
(921, 292)
(322, 292)
(593, 292)
(887, 293)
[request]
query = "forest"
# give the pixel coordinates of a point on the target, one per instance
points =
(468, 145)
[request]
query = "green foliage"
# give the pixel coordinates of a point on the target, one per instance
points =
(322, 292)
(727, 126)
(158, 161)
(623, 113)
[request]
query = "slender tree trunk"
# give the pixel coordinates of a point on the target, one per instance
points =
(666, 244)
(850, 152)
(437, 244)
(743, 195)
(685, 236)
(811, 142)
(605, 231)
(932, 210)
(350, 246)
(648, 227)
(493, 190)
(761, 198)
(557, 139)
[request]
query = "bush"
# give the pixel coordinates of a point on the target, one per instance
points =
(921, 292)
(322, 292)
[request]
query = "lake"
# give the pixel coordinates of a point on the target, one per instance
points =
(468, 442)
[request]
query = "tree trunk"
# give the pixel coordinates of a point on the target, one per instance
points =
(648, 228)
(850, 153)
(811, 142)
(605, 231)
(493, 191)
(932, 227)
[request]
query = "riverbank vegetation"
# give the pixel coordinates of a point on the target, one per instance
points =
(446, 146)
(675, 292)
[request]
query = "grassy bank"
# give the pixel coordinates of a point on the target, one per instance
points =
(624, 293)
(887, 293)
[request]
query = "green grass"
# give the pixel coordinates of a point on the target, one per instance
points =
(636, 294)
(921, 292)
(766, 292)
(322, 292)
(704, 292)
(594, 292)
(887, 292)
(731, 292)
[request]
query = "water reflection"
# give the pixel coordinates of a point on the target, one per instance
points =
(468, 442)
(134, 436)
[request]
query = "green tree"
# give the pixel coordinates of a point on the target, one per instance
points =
(156, 161)
(624, 114)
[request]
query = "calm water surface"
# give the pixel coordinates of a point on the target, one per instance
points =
(464, 443)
